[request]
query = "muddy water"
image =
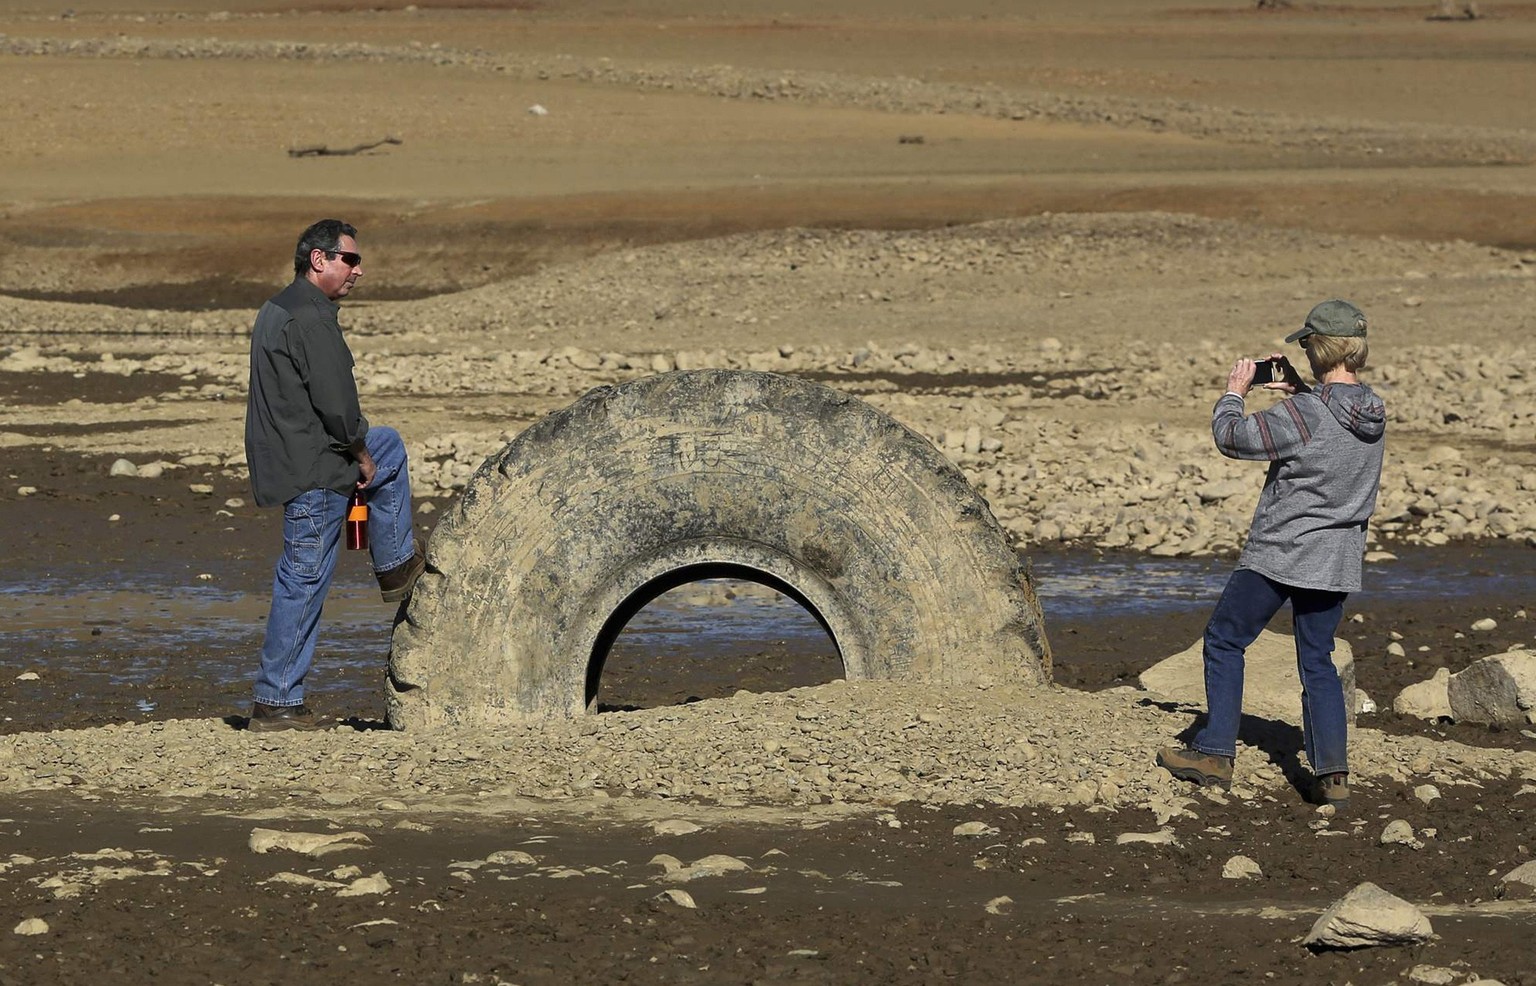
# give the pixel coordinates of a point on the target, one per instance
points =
(701, 640)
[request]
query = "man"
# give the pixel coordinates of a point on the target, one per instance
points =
(1324, 448)
(309, 447)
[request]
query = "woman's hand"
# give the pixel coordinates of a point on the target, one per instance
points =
(1241, 377)
(1291, 383)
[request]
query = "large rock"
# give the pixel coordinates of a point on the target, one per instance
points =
(1369, 916)
(1271, 685)
(1519, 882)
(1498, 690)
(1428, 699)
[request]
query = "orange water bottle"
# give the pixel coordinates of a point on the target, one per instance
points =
(357, 522)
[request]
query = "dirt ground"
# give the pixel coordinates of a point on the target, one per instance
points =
(147, 168)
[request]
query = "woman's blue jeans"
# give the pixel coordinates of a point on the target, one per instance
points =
(312, 525)
(1247, 604)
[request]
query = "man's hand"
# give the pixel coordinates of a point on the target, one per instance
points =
(365, 464)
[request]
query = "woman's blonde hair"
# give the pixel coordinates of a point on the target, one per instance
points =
(1327, 352)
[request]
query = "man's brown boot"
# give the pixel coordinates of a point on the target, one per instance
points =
(1204, 769)
(397, 583)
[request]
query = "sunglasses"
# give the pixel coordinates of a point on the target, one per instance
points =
(347, 257)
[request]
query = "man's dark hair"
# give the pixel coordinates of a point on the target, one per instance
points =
(324, 235)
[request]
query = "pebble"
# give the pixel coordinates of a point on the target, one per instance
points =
(1399, 833)
(974, 829)
(681, 898)
(1162, 837)
(32, 926)
(1241, 868)
(674, 826)
(365, 886)
(1485, 624)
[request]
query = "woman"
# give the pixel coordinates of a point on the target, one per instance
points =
(1305, 544)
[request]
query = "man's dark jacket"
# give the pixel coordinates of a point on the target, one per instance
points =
(303, 425)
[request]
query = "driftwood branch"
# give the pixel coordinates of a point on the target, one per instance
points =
(322, 150)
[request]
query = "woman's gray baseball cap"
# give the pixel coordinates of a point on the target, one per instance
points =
(1332, 318)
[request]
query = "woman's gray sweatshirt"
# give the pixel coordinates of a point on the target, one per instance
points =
(1324, 451)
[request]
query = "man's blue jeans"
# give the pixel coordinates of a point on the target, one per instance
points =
(312, 525)
(1246, 606)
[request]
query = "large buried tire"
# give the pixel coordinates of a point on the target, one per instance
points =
(633, 490)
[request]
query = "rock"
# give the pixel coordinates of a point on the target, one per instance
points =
(1428, 699)
(974, 828)
(302, 880)
(1217, 492)
(1162, 837)
(308, 843)
(1485, 624)
(714, 865)
(1241, 868)
(29, 676)
(674, 826)
(1433, 975)
(681, 898)
(1368, 916)
(1519, 882)
(32, 926)
(1271, 685)
(26, 491)
(122, 467)
(365, 886)
(1399, 833)
(510, 857)
(1497, 690)
(1426, 793)
(1000, 905)
(201, 489)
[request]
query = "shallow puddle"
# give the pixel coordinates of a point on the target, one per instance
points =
(718, 627)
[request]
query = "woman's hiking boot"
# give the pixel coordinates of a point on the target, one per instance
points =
(1204, 769)
(1331, 789)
